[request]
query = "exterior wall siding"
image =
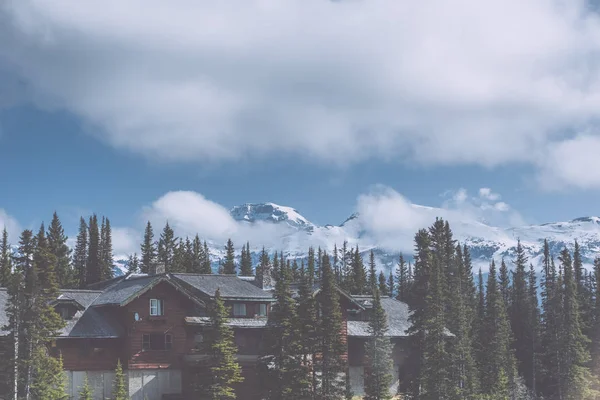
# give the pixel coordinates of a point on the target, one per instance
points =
(101, 383)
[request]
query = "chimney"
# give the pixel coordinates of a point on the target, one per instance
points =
(157, 268)
(263, 279)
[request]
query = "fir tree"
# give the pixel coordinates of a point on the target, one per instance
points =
(57, 241)
(205, 266)
(246, 261)
(287, 374)
(106, 251)
(383, 284)
(504, 283)
(390, 283)
(85, 392)
(178, 264)
(359, 275)
(224, 371)
(133, 263)
(307, 317)
(378, 377)
(92, 265)
(402, 274)
(330, 365)
(534, 325)
(228, 266)
(49, 381)
(596, 328)
(5, 260)
(148, 249)
(310, 272)
(263, 271)
(120, 388)
(372, 278)
(166, 247)
(197, 255)
(80, 255)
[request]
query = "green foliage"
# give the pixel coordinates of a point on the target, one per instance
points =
(148, 250)
(85, 392)
(246, 261)
(359, 284)
(223, 371)
(57, 242)
(166, 247)
(92, 266)
(383, 284)
(372, 278)
(403, 285)
(49, 380)
(5, 259)
(80, 255)
(120, 388)
(228, 266)
(378, 376)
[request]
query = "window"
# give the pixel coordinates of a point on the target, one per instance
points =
(157, 341)
(239, 310)
(198, 340)
(262, 310)
(156, 307)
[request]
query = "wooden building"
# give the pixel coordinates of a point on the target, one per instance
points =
(155, 325)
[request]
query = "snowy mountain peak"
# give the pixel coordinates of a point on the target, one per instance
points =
(270, 212)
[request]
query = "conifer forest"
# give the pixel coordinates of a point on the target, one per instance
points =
(512, 332)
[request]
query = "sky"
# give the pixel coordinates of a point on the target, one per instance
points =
(189, 108)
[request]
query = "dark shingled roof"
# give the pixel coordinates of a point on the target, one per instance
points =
(123, 290)
(397, 317)
(230, 286)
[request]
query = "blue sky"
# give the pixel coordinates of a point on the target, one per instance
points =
(105, 110)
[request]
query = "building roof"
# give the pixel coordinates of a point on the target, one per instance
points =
(124, 290)
(231, 287)
(232, 322)
(397, 317)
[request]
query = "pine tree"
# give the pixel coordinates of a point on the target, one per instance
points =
(402, 274)
(205, 266)
(166, 247)
(372, 278)
(246, 261)
(197, 255)
(310, 272)
(106, 251)
(49, 381)
(390, 283)
(229, 262)
(287, 374)
(5, 259)
(179, 257)
(479, 332)
(85, 392)
(120, 388)
(595, 354)
(92, 267)
(332, 347)
(535, 325)
(133, 263)
(359, 275)
(575, 378)
(57, 241)
(224, 371)
(263, 271)
(308, 324)
(504, 284)
(80, 255)
(383, 285)
(188, 256)
(378, 376)
(147, 249)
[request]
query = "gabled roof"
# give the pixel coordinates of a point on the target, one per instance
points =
(231, 287)
(232, 322)
(123, 291)
(397, 317)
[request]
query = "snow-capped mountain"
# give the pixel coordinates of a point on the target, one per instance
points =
(486, 242)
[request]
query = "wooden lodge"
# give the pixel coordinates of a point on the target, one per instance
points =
(154, 325)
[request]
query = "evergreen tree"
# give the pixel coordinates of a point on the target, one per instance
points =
(80, 255)
(166, 247)
(49, 381)
(206, 267)
(106, 251)
(57, 241)
(228, 266)
(390, 283)
(246, 261)
(534, 325)
(575, 378)
(504, 284)
(197, 255)
(120, 388)
(331, 364)
(383, 284)
(92, 267)
(372, 279)
(595, 354)
(318, 264)
(85, 392)
(133, 263)
(148, 249)
(5, 259)
(402, 274)
(359, 275)
(308, 325)
(479, 330)
(178, 264)
(263, 271)
(498, 369)
(378, 376)
(224, 371)
(311, 265)
(287, 373)
(346, 267)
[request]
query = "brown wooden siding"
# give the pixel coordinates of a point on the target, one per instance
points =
(89, 354)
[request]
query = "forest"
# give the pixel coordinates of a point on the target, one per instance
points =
(510, 336)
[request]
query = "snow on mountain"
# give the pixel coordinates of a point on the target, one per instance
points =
(485, 241)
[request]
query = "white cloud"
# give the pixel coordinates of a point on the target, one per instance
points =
(462, 82)
(126, 241)
(12, 226)
(486, 193)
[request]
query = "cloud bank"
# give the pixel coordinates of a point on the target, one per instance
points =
(492, 83)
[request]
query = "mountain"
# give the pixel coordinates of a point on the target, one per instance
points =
(294, 234)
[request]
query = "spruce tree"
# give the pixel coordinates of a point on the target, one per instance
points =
(595, 353)
(5, 259)
(224, 371)
(49, 382)
(80, 255)
(372, 278)
(147, 249)
(92, 266)
(263, 271)
(332, 347)
(391, 283)
(166, 247)
(308, 325)
(535, 326)
(359, 275)
(228, 266)
(106, 251)
(179, 257)
(383, 285)
(287, 374)
(205, 265)
(57, 241)
(246, 261)
(85, 392)
(402, 274)
(120, 388)
(197, 255)
(311, 265)
(378, 371)
(504, 283)
(133, 264)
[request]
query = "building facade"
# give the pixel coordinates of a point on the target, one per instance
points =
(155, 325)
